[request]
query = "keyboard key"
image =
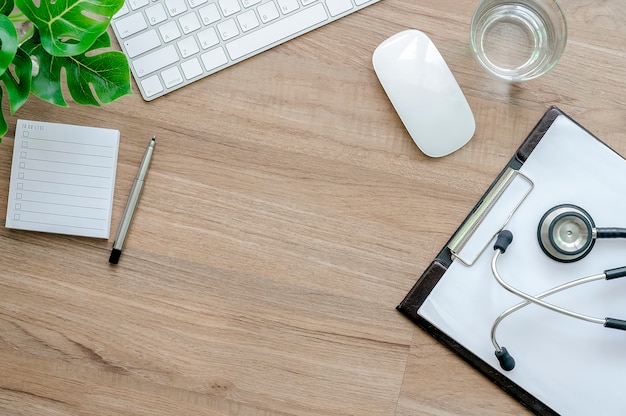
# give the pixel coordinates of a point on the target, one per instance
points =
(209, 14)
(191, 68)
(172, 77)
(208, 38)
(277, 31)
(248, 20)
(137, 4)
(189, 23)
(156, 60)
(156, 14)
(228, 29)
(169, 31)
(131, 24)
(196, 3)
(288, 6)
(229, 7)
(152, 86)
(214, 58)
(142, 43)
(336, 7)
(268, 12)
(250, 3)
(175, 7)
(188, 47)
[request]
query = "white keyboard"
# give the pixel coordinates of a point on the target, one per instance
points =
(172, 43)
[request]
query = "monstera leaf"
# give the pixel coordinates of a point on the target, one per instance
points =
(8, 51)
(106, 72)
(18, 81)
(69, 27)
(6, 6)
(8, 43)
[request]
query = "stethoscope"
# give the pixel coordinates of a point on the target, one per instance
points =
(566, 233)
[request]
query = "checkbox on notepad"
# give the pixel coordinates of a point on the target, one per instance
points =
(20, 175)
(18, 206)
(23, 155)
(18, 196)
(20, 186)
(16, 217)
(24, 144)
(22, 165)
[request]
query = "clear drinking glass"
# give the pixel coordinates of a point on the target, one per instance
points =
(518, 40)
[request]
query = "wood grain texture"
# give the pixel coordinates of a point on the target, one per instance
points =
(286, 213)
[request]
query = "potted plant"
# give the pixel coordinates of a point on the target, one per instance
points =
(42, 41)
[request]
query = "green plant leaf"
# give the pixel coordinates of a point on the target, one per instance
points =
(8, 42)
(107, 73)
(17, 85)
(69, 27)
(6, 6)
(4, 127)
(18, 81)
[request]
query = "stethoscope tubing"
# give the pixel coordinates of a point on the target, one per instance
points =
(503, 240)
(556, 289)
(610, 232)
(537, 299)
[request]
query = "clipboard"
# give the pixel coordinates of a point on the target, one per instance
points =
(456, 299)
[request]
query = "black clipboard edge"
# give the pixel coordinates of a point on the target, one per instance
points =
(437, 268)
(537, 134)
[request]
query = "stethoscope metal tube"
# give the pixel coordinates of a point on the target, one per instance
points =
(502, 242)
(542, 295)
(506, 237)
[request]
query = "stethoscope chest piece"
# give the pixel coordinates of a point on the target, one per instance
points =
(566, 233)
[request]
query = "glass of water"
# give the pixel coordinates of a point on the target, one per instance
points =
(518, 40)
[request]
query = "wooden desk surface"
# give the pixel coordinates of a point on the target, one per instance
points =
(286, 213)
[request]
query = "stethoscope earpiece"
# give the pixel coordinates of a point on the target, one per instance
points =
(566, 233)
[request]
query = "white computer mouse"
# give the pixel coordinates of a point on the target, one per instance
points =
(424, 93)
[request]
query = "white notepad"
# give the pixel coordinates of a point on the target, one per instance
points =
(62, 179)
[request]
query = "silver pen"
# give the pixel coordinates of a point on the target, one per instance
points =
(131, 204)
